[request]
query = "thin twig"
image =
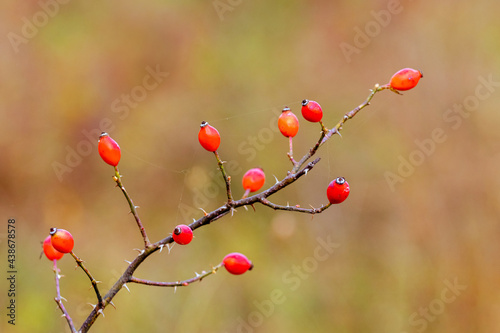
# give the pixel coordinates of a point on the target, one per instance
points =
(92, 280)
(58, 299)
(327, 134)
(133, 208)
(349, 115)
(227, 179)
(294, 208)
(184, 283)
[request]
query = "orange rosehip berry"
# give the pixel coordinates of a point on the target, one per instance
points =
(61, 240)
(288, 123)
(236, 263)
(49, 250)
(108, 149)
(209, 137)
(405, 79)
(253, 179)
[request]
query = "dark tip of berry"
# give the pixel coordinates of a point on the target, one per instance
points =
(285, 109)
(304, 102)
(340, 180)
(53, 231)
(251, 266)
(177, 231)
(103, 134)
(421, 74)
(203, 124)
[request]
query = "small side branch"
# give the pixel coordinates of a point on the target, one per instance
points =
(58, 299)
(313, 210)
(133, 208)
(184, 283)
(92, 280)
(227, 179)
(353, 112)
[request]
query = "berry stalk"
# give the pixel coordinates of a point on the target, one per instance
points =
(227, 179)
(133, 208)
(79, 262)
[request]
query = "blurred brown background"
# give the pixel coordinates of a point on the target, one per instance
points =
(416, 255)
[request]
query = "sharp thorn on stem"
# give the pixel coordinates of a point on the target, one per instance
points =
(126, 287)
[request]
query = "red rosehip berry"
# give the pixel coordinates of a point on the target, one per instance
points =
(405, 79)
(337, 191)
(182, 234)
(49, 250)
(61, 240)
(311, 111)
(108, 149)
(288, 123)
(253, 179)
(209, 137)
(236, 263)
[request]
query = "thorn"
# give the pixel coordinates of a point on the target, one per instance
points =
(205, 213)
(92, 305)
(246, 208)
(339, 134)
(101, 312)
(111, 303)
(126, 287)
(137, 207)
(169, 247)
(128, 262)
(305, 172)
(197, 275)
(175, 289)
(161, 247)
(253, 207)
(233, 211)
(312, 207)
(64, 299)
(59, 276)
(194, 220)
(139, 250)
(277, 181)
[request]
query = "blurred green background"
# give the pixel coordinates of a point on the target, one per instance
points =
(398, 248)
